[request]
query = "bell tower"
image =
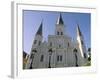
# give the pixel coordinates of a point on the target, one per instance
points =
(38, 37)
(59, 26)
(36, 43)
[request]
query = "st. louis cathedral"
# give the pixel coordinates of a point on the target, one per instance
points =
(59, 50)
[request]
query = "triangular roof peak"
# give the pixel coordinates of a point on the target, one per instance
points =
(39, 32)
(60, 20)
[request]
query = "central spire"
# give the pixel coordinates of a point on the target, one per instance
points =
(60, 20)
(39, 32)
(59, 26)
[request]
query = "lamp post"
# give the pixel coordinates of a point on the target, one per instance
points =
(50, 53)
(75, 51)
(32, 57)
(31, 64)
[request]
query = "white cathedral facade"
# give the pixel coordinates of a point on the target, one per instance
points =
(58, 51)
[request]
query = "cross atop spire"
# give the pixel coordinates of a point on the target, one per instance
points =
(39, 32)
(78, 30)
(60, 20)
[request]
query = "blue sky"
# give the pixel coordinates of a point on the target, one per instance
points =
(32, 19)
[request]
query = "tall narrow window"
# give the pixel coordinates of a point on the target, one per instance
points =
(41, 59)
(57, 33)
(84, 55)
(68, 44)
(50, 43)
(59, 58)
(35, 41)
(39, 42)
(59, 46)
(61, 33)
(81, 42)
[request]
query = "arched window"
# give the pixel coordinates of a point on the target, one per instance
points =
(39, 42)
(57, 33)
(81, 42)
(42, 57)
(35, 41)
(61, 33)
(68, 44)
(59, 58)
(84, 55)
(59, 46)
(50, 43)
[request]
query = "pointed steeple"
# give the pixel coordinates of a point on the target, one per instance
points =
(80, 39)
(78, 30)
(39, 32)
(60, 20)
